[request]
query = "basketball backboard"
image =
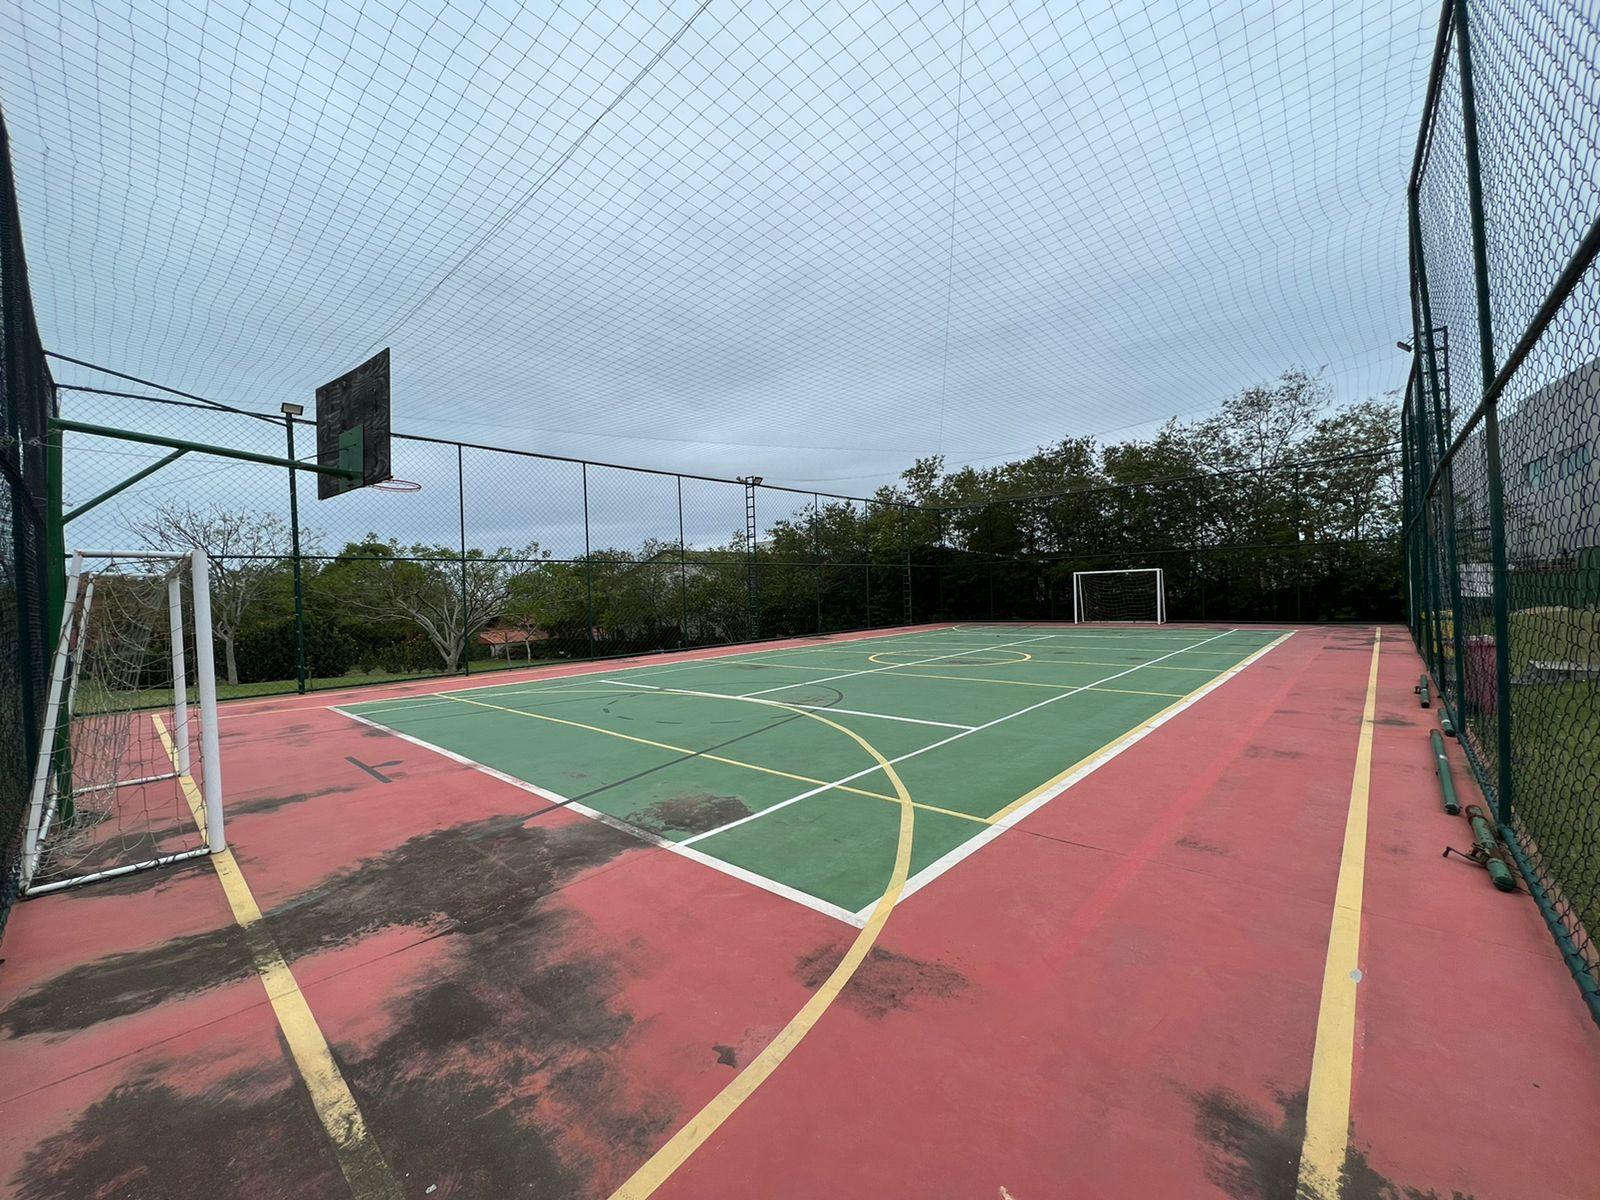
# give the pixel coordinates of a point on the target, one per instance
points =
(353, 426)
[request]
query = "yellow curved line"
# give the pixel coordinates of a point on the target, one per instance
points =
(660, 1166)
(629, 737)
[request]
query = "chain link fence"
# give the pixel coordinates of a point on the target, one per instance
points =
(507, 558)
(26, 397)
(1502, 433)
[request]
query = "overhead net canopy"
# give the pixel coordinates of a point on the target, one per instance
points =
(835, 236)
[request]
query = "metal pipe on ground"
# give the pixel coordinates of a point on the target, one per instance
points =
(1488, 849)
(1447, 785)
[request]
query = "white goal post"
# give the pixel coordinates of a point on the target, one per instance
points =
(114, 790)
(1135, 594)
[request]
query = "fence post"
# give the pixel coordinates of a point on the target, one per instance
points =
(1425, 336)
(588, 563)
(1499, 565)
(866, 554)
(683, 573)
(988, 522)
(461, 511)
(816, 551)
(905, 552)
(752, 612)
(294, 546)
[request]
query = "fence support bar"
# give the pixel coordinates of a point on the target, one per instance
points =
(123, 486)
(63, 425)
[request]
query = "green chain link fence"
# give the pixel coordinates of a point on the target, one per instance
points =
(1501, 433)
(505, 557)
(26, 396)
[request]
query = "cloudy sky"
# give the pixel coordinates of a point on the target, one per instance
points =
(807, 240)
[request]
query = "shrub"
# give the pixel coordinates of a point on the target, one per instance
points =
(266, 651)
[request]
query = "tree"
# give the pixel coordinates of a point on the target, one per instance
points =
(450, 598)
(1235, 503)
(247, 550)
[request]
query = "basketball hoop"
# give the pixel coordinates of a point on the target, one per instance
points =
(397, 485)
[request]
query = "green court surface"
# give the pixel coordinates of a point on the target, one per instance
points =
(738, 761)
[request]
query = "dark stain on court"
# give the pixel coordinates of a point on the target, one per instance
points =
(507, 1042)
(1255, 1155)
(146, 1138)
(885, 982)
(694, 812)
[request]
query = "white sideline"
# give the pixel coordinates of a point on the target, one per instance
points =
(710, 833)
(942, 864)
(644, 835)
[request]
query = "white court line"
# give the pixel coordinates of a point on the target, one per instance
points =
(940, 865)
(920, 662)
(849, 712)
(644, 835)
(411, 704)
(728, 653)
(806, 795)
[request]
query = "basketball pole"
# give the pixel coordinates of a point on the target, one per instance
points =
(290, 411)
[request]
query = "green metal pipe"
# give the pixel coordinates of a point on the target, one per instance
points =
(62, 425)
(123, 486)
(1447, 785)
(1422, 691)
(1489, 851)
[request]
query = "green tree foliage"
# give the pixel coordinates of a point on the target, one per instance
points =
(443, 599)
(1277, 497)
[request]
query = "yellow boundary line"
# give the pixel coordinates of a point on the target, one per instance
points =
(660, 1166)
(1322, 1155)
(732, 762)
(360, 1159)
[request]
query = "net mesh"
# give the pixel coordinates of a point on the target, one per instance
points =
(1502, 436)
(26, 401)
(116, 799)
(1112, 596)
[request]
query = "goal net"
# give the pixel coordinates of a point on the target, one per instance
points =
(127, 776)
(1138, 594)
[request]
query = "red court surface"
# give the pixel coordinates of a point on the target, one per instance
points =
(1116, 999)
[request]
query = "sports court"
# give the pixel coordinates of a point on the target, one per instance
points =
(927, 911)
(799, 600)
(788, 768)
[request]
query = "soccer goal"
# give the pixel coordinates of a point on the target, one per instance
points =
(115, 788)
(1138, 594)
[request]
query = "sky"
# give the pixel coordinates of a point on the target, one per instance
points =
(811, 241)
